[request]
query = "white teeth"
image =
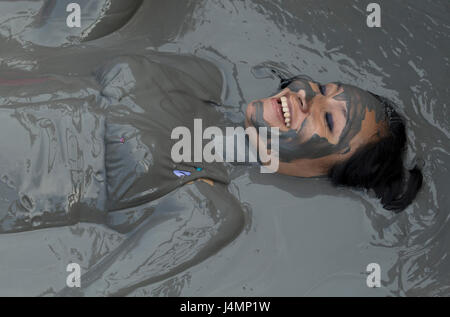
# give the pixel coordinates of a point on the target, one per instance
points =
(286, 112)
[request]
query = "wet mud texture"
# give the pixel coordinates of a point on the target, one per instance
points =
(307, 239)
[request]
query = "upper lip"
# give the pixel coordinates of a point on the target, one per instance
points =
(290, 107)
(298, 103)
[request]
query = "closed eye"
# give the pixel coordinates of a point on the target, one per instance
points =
(329, 121)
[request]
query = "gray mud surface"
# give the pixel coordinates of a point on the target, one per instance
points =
(261, 235)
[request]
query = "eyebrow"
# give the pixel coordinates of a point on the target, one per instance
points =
(344, 113)
(344, 108)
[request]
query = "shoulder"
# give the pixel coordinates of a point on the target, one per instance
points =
(125, 74)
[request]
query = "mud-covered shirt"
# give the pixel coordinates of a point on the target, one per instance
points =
(73, 148)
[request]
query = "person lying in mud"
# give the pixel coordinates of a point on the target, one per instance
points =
(106, 140)
(98, 149)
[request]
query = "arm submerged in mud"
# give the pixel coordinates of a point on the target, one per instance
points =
(175, 233)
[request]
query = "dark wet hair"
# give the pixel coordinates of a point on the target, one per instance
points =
(379, 166)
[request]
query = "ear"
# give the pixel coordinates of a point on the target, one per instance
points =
(345, 150)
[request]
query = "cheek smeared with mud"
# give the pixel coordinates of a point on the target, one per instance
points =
(257, 118)
(302, 83)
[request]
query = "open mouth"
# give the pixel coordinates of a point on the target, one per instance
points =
(284, 110)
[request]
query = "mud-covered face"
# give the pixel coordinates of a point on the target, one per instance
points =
(319, 124)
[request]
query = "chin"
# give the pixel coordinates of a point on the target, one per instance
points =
(249, 111)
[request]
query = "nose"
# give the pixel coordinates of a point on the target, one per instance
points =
(300, 97)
